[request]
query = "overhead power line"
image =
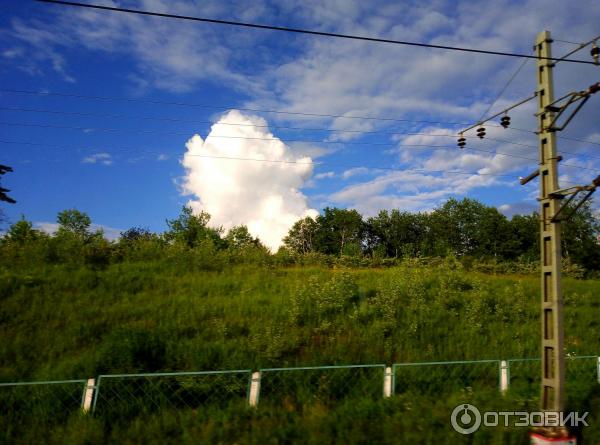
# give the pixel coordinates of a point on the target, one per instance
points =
(331, 164)
(283, 161)
(196, 121)
(303, 31)
(167, 119)
(134, 150)
(567, 41)
(579, 48)
(219, 107)
(504, 88)
(285, 140)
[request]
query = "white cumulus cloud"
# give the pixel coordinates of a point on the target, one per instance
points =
(262, 191)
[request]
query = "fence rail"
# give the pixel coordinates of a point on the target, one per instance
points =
(119, 396)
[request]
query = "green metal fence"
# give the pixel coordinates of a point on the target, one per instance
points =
(326, 385)
(43, 403)
(124, 396)
(581, 372)
(445, 377)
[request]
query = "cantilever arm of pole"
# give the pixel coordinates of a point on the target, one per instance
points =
(580, 96)
(590, 189)
(535, 174)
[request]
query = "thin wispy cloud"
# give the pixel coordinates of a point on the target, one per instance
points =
(98, 158)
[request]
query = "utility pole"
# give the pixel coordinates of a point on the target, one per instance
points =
(553, 357)
(553, 361)
(552, 212)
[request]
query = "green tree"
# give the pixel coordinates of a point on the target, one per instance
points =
(192, 230)
(135, 234)
(22, 232)
(239, 237)
(468, 227)
(396, 233)
(580, 238)
(338, 228)
(526, 236)
(301, 237)
(75, 223)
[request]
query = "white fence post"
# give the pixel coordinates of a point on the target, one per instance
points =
(254, 389)
(387, 382)
(598, 369)
(88, 396)
(504, 376)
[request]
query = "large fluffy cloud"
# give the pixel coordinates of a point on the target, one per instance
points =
(261, 188)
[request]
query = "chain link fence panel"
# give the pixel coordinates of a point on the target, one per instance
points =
(433, 378)
(128, 395)
(581, 376)
(327, 385)
(41, 404)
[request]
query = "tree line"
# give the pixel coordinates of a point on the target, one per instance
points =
(464, 229)
(459, 227)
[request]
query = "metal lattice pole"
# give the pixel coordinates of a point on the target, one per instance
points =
(553, 366)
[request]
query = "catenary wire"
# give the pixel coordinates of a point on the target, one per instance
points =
(301, 31)
(495, 153)
(331, 164)
(283, 161)
(384, 144)
(167, 119)
(218, 107)
(275, 127)
(285, 140)
(504, 88)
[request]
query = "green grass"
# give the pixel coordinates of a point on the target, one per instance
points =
(60, 322)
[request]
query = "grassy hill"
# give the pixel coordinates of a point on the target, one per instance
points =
(69, 322)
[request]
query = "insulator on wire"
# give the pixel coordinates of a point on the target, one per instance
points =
(505, 121)
(461, 141)
(481, 132)
(595, 52)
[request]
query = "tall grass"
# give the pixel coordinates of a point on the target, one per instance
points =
(61, 322)
(58, 322)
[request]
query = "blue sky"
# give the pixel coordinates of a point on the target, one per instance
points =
(125, 162)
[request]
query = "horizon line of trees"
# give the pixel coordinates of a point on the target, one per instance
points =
(465, 228)
(458, 227)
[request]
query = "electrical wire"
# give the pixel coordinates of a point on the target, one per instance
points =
(159, 118)
(314, 141)
(579, 48)
(333, 130)
(220, 107)
(283, 161)
(196, 121)
(138, 131)
(275, 127)
(567, 41)
(299, 31)
(494, 153)
(515, 74)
